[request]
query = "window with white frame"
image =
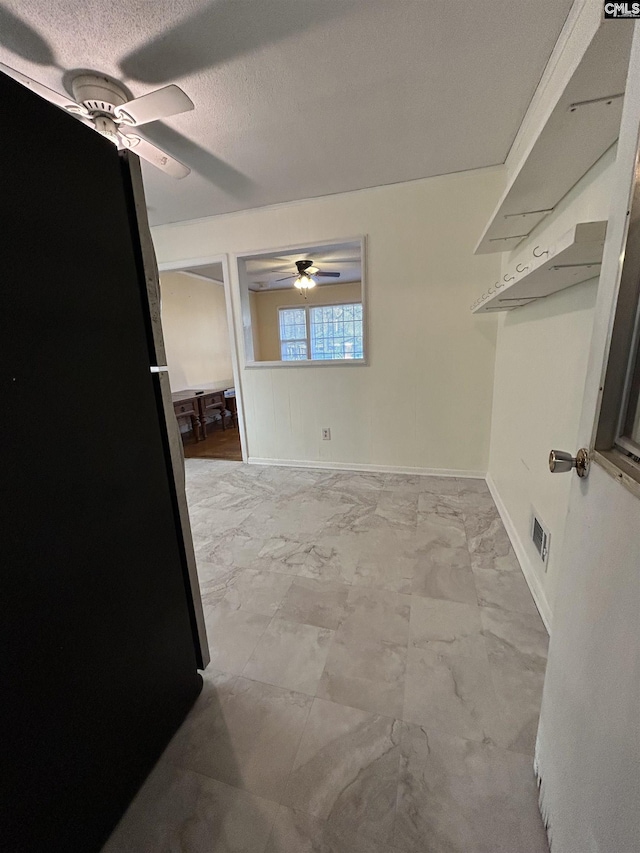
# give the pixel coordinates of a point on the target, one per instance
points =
(321, 332)
(294, 334)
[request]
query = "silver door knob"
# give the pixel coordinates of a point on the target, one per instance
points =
(561, 461)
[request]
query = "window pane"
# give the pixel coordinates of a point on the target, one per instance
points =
(293, 325)
(292, 315)
(294, 350)
(336, 331)
(293, 333)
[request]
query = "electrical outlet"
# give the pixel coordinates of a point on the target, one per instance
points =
(326, 434)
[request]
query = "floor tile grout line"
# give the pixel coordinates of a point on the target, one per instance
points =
(466, 539)
(202, 775)
(295, 754)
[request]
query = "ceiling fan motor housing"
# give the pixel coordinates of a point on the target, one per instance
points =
(98, 94)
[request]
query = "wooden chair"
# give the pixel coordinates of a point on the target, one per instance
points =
(211, 404)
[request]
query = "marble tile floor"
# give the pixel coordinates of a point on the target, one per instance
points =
(376, 675)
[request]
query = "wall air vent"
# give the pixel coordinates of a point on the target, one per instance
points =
(540, 538)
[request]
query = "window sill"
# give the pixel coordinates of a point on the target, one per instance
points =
(318, 362)
(621, 468)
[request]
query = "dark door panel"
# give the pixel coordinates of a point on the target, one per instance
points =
(98, 662)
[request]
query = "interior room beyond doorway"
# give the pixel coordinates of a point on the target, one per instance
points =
(198, 349)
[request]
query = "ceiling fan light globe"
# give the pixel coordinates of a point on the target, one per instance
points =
(304, 282)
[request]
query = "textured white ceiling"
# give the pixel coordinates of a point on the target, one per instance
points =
(301, 98)
(211, 271)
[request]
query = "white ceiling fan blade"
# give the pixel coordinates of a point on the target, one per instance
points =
(158, 158)
(44, 92)
(168, 101)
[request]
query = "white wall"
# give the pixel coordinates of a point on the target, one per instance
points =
(424, 401)
(196, 336)
(541, 363)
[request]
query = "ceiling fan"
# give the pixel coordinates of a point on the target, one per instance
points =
(104, 105)
(306, 276)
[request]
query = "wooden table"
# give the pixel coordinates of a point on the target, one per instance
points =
(195, 403)
(187, 407)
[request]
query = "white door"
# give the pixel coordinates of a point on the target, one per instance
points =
(588, 756)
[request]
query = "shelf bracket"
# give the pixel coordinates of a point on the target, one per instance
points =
(606, 99)
(571, 266)
(528, 213)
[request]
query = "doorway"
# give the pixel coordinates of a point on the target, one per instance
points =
(200, 359)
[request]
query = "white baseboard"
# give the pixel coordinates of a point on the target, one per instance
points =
(378, 469)
(528, 570)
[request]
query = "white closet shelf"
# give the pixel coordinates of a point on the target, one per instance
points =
(583, 125)
(575, 257)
